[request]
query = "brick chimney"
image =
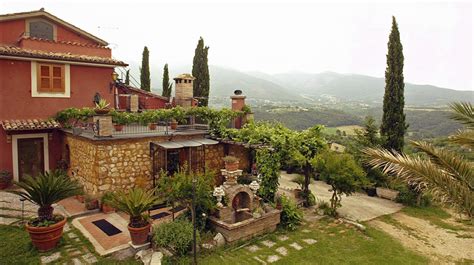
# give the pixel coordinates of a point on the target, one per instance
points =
(238, 103)
(184, 90)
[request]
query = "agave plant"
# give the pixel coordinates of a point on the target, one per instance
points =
(102, 104)
(46, 189)
(446, 175)
(135, 203)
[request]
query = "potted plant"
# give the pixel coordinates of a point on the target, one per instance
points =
(135, 203)
(5, 179)
(231, 163)
(300, 181)
(80, 198)
(150, 117)
(106, 203)
(173, 124)
(44, 190)
(92, 203)
(119, 119)
(102, 107)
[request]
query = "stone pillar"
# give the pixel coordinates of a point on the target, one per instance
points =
(104, 127)
(238, 103)
(184, 90)
(134, 103)
(231, 177)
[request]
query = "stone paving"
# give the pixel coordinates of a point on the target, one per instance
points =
(277, 253)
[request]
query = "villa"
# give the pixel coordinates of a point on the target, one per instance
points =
(49, 65)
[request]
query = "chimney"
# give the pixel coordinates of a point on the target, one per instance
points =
(184, 90)
(238, 103)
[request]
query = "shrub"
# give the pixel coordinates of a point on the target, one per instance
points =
(176, 236)
(290, 216)
(408, 196)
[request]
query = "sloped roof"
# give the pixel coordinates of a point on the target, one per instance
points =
(20, 52)
(33, 124)
(42, 13)
(127, 89)
(185, 76)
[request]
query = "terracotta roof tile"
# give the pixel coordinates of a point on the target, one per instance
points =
(65, 42)
(33, 124)
(127, 89)
(20, 52)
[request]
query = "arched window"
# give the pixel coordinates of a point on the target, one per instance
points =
(41, 29)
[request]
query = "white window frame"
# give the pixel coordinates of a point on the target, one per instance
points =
(16, 170)
(34, 83)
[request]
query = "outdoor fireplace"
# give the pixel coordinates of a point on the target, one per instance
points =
(245, 215)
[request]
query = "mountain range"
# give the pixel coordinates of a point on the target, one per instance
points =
(320, 87)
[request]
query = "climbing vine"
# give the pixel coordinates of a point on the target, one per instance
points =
(268, 163)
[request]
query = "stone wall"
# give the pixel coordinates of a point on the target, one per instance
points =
(242, 154)
(120, 164)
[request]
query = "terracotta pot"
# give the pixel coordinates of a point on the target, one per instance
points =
(101, 111)
(107, 208)
(92, 204)
(46, 238)
(232, 166)
(139, 235)
(152, 126)
(118, 127)
(80, 198)
(173, 125)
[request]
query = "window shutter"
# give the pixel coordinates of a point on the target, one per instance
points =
(50, 78)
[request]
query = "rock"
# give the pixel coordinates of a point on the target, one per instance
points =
(359, 226)
(123, 254)
(208, 246)
(50, 258)
(219, 239)
(144, 255)
(156, 258)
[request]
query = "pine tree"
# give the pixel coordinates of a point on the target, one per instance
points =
(145, 71)
(167, 86)
(127, 78)
(201, 73)
(393, 121)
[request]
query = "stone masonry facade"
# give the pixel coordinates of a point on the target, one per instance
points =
(120, 164)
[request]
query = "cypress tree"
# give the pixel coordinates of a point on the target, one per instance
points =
(167, 86)
(200, 71)
(393, 121)
(145, 71)
(127, 78)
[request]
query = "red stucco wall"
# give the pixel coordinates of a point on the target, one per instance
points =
(12, 30)
(15, 90)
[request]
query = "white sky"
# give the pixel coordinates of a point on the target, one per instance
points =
(284, 36)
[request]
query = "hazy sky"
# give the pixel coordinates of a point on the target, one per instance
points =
(284, 36)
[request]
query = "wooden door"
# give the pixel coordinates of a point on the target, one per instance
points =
(30, 157)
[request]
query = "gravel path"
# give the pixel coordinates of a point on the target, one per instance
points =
(357, 207)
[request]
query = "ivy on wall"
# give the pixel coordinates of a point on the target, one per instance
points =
(268, 163)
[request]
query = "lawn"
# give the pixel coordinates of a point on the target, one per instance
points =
(16, 248)
(336, 244)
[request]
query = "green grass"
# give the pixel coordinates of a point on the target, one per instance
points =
(333, 247)
(16, 248)
(434, 215)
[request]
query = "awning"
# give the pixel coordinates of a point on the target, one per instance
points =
(205, 141)
(187, 143)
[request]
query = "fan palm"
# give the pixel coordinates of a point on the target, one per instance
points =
(446, 175)
(46, 189)
(135, 203)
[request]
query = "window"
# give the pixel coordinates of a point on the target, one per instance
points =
(41, 29)
(50, 78)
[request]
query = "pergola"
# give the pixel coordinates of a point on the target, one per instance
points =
(194, 150)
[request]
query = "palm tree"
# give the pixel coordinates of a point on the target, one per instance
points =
(46, 189)
(446, 175)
